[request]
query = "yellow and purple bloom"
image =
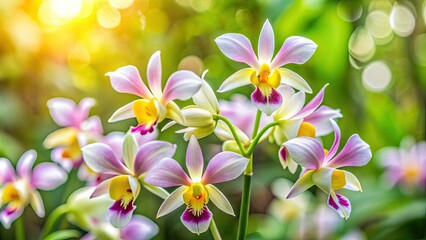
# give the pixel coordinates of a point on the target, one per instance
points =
(320, 167)
(197, 189)
(155, 104)
(265, 72)
(19, 189)
(126, 171)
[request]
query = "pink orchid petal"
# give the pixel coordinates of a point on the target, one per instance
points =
(223, 167)
(139, 228)
(66, 163)
(356, 152)
(312, 105)
(7, 173)
(62, 111)
(194, 159)
(172, 202)
(101, 159)
(92, 125)
(296, 50)
(238, 79)
(219, 199)
(306, 151)
(238, 48)
(266, 44)
(154, 74)
(48, 176)
(149, 154)
(128, 80)
(302, 184)
(10, 214)
(286, 160)
(294, 80)
(125, 112)
(101, 189)
(181, 85)
(292, 106)
(266, 104)
(119, 215)
(197, 224)
(167, 173)
(320, 119)
(82, 111)
(322, 178)
(37, 203)
(336, 141)
(340, 204)
(25, 163)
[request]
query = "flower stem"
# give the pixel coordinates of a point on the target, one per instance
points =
(234, 133)
(258, 136)
(245, 207)
(214, 230)
(256, 123)
(19, 228)
(52, 219)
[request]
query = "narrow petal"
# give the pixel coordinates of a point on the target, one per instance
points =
(61, 137)
(322, 178)
(340, 204)
(62, 111)
(154, 74)
(286, 160)
(293, 80)
(10, 214)
(219, 199)
(352, 182)
(25, 163)
(48, 176)
(206, 99)
(7, 173)
(194, 159)
(101, 189)
(160, 192)
(139, 228)
(306, 151)
(83, 109)
(172, 202)
(291, 107)
(125, 112)
(149, 154)
(296, 50)
(174, 113)
(238, 79)
(321, 119)
(356, 152)
(120, 215)
(302, 184)
(238, 48)
(167, 173)
(37, 203)
(312, 105)
(197, 224)
(181, 85)
(100, 158)
(223, 167)
(336, 141)
(128, 80)
(266, 104)
(130, 148)
(266, 44)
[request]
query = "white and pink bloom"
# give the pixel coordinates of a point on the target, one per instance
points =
(19, 189)
(405, 165)
(197, 189)
(265, 72)
(320, 167)
(127, 173)
(77, 130)
(155, 104)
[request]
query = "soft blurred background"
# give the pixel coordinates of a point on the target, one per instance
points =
(373, 54)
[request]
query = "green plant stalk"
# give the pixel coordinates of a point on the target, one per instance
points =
(234, 133)
(52, 219)
(214, 230)
(19, 228)
(258, 136)
(245, 207)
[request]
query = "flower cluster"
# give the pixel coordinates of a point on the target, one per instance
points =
(117, 166)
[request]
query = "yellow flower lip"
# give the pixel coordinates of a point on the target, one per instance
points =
(338, 179)
(145, 110)
(119, 189)
(10, 193)
(196, 197)
(265, 80)
(306, 129)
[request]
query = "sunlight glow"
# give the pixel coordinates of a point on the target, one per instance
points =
(66, 9)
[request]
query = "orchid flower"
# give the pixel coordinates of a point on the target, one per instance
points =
(196, 190)
(321, 167)
(296, 120)
(156, 104)
(77, 130)
(266, 73)
(19, 189)
(405, 165)
(127, 171)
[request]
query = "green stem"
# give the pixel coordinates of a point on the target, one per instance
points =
(234, 133)
(245, 207)
(52, 219)
(214, 230)
(19, 228)
(258, 136)
(256, 123)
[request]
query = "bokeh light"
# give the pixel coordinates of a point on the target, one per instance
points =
(66, 9)
(192, 63)
(402, 20)
(108, 17)
(361, 45)
(349, 11)
(377, 23)
(121, 4)
(376, 76)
